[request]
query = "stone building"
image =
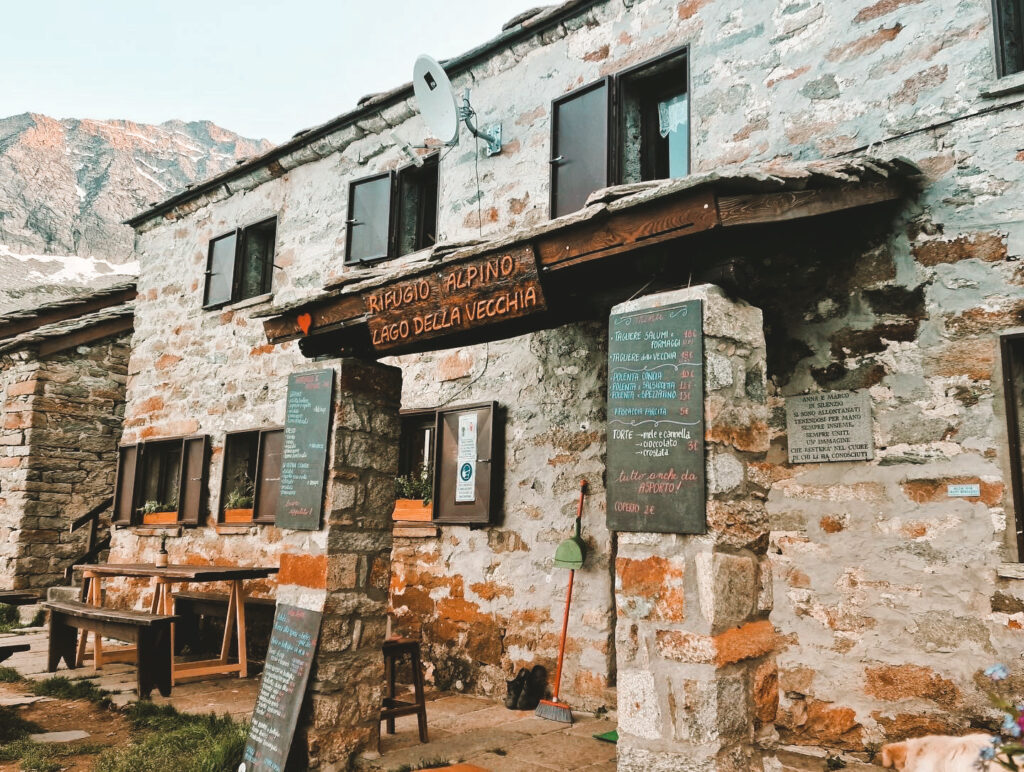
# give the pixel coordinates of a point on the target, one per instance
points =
(63, 371)
(849, 175)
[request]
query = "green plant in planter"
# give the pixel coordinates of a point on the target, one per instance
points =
(413, 486)
(240, 498)
(153, 505)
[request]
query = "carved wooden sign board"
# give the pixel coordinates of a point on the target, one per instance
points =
(282, 687)
(656, 420)
(454, 298)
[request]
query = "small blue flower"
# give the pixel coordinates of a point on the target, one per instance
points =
(997, 672)
(988, 752)
(1010, 726)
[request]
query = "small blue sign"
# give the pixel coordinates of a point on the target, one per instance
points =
(969, 491)
(466, 472)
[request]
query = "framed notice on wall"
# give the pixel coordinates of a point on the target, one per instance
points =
(307, 427)
(463, 486)
(656, 420)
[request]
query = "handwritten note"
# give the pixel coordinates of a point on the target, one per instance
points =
(656, 420)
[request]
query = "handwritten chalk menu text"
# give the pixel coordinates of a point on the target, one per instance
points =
(656, 420)
(454, 298)
(282, 687)
(307, 425)
(829, 426)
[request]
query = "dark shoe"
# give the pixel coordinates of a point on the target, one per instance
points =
(515, 688)
(536, 685)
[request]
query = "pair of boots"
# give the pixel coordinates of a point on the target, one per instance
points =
(527, 688)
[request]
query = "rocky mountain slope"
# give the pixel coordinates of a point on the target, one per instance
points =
(66, 186)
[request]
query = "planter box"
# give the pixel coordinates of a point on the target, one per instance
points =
(159, 518)
(238, 515)
(412, 510)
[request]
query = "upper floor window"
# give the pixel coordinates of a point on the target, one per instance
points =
(240, 264)
(629, 127)
(392, 214)
(1008, 18)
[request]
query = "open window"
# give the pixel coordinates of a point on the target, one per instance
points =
(369, 218)
(654, 120)
(162, 482)
(1008, 22)
(240, 264)
(414, 492)
(1013, 391)
(417, 207)
(629, 127)
(251, 476)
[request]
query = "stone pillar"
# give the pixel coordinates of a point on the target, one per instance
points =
(697, 682)
(349, 566)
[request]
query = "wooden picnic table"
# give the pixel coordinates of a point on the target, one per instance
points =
(162, 579)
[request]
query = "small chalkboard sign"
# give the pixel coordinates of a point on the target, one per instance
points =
(282, 687)
(307, 426)
(656, 420)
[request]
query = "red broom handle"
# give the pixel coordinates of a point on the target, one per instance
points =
(565, 629)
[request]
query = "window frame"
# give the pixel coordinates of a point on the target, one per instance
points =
(999, 37)
(200, 494)
(241, 239)
(1013, 425)
(261, 433)
(410, 169)
(350, 221)
(610, 156)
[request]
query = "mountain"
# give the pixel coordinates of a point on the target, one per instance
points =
(66, 186)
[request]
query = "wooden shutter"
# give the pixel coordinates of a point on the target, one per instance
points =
(195, 457)
(124, 491)
(220, 270)
(447, 463)
(268, 475)
(1009, 29)
(580, 146)
(369, 218)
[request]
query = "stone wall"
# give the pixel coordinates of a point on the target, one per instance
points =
(62, 419)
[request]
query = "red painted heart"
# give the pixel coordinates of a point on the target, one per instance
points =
(305, 321)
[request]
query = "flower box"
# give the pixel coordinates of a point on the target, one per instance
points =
(159, 518)
(238, 515)
(412, 510)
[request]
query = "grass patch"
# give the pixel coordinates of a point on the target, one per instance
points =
(423, 764)
(8, 675)
(9, 619)
(498, 751)
(65, 689)
(171, 740)
(44, 757)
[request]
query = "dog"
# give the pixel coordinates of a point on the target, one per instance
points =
(937, 753)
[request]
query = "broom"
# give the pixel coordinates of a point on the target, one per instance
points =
(569, 555)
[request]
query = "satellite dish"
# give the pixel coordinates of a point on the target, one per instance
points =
(436, 99)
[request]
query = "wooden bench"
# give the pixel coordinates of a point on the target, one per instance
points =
(20, 597)
(190, 606)
(7, 650)
(151, 634)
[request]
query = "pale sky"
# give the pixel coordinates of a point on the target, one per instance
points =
(256, 67)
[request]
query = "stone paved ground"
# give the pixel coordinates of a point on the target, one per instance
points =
(478, 731)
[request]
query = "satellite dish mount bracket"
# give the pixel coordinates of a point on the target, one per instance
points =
(489, 134)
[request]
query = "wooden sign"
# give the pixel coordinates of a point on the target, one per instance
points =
(307, 426)
(282, 687)
(656, 420)
(456, 297)
(829, 426)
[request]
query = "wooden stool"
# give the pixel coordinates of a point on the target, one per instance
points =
(394, 650)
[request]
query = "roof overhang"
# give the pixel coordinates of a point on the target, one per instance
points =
(567, 268)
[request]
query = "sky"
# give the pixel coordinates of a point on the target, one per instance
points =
(262, 69)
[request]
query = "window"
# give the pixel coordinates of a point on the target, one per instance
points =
(162, 482)
(457, 446)
(393, 214)
(240, 264)
(647, 140)
(1013, 387)
(251, 477)
(1008, 21)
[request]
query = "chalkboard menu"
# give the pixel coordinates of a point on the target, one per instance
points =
(656, 420)
(282, 686)
(307, 425)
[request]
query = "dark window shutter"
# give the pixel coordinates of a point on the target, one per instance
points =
(220, 270)
(268, 475)
(369, 219)
(580, 145)
(257, 269)
(124, 492)
(1009, 26)
(446, 468)
(194, 470)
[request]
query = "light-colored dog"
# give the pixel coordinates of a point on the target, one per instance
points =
(936, 753)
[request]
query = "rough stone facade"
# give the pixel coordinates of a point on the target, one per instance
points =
(889, 597)
(62, 417)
